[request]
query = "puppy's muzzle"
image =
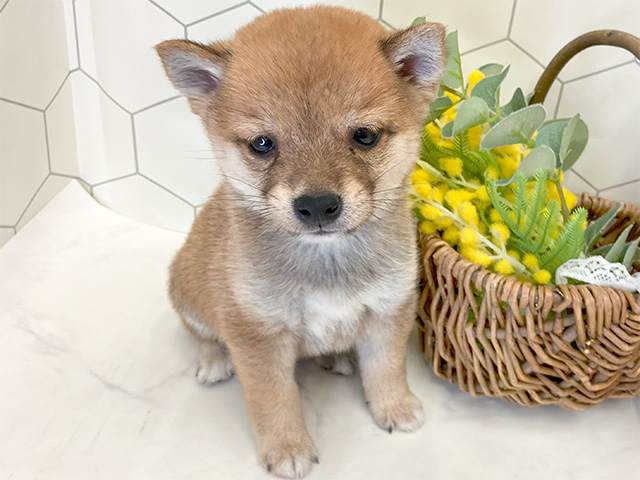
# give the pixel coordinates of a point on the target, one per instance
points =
(318, 209)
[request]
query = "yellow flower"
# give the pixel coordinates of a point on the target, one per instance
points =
(531, 262)
(508, 166)
(542, 277)
(454, 98)
(476, 255)
(500, 232)
(504, 267)
(430, 212)
(451, 165)
(474, 78)
(468, 213)
(474, 135)
(427, 228)
(569, 198)
(443, 222)
(491, 173)
(494, 215)
(433, 131)
(420, 175)
(482, 195)
(508, 151)
(468, 237)
(451, 235)
(514, 253)
(455, 197)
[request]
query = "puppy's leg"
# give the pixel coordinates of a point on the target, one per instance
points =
(345, 363)
(214, 362)
(265, 367)
(383, 357)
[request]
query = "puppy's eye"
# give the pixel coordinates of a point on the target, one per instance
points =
(261, 145)
(366, 136)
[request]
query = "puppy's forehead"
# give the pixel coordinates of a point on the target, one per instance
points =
(315, 62)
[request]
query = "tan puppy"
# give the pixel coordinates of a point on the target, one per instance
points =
(307, 248)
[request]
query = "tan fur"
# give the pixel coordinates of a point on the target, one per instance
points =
(258, 287)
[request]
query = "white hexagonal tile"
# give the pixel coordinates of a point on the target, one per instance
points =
(61, 131)
(116, 48)
(33, 57)
(524, 71)
(49, 189)
(629, 193)
(543, 27)
(174, 150)
(478, 23)
(576, 184)
(140, 199)
(193, 10)
(103, 132)
(23, 159)
(72, 47)
(6, 233)
(222, 26)
(608, 103)
(370, 7)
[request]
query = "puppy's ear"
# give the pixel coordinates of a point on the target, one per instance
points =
(418, 54)
(195, 70)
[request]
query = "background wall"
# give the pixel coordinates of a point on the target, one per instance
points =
(83, 95)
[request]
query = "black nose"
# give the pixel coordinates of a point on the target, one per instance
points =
(318, 209)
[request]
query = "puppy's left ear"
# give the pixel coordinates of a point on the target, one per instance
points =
(418, 55)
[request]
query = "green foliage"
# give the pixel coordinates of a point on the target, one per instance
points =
(540, 158)
(474, 111)
(566, 137)
(531, 217)
(488, 88)
(452, 77)
(599, 226)
(517, 127)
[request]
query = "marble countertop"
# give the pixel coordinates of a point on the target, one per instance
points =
(97, 382)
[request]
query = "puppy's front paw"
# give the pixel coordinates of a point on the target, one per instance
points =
(214, 364)
(405, 415)
(290, 460)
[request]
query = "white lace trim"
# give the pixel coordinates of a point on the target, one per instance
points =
(598, 271)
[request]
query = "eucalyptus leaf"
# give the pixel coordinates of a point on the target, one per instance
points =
(574, 141)
(616, 250)
(516, 103)
(487, 88)
(452, 75)
(473, 111)
(517, 127)
(418, 21)
(600, 225)
(491, 69)
(438, 107)
(447, 130)
(550, 134)
(539, 158)
(631, 253)
(603, 250)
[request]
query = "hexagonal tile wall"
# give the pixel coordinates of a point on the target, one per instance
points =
(195, 10)
(36, 57)
(23, 159)
(370, 7)
(174, 150)
(117, 50)
(222, 25)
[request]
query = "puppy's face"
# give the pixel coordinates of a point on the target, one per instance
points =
(317, 111)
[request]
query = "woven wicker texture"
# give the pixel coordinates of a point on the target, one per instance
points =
(493, 335)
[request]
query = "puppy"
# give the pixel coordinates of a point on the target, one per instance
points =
(307, 248)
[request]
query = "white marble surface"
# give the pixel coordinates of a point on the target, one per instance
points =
(96, 382)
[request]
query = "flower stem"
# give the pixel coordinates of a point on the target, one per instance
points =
(565, 210)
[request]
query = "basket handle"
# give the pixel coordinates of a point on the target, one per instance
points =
(615, 38)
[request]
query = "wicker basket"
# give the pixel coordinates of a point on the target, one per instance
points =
(572, 346)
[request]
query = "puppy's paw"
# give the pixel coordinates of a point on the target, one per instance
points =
(214, 364)
(340, 363)
(290, 460)
(405, 415)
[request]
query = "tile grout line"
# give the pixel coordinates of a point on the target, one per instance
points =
(166, 189)
(75, 28)
(527, 54)
(380, 10)
(613, 67)
(384, 22)
(33, 198)
(624, 184)
(55, 95)
(135, 143)
(46, 140)
(4, 6)
(161, 102)
(21, 104)
(99, 184)
(152, 2)
(105, 92)
(475, 49)
(208, 17)
(513, 15)
(256, 6)
(575, 172)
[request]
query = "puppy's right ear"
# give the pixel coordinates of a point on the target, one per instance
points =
(195, 70)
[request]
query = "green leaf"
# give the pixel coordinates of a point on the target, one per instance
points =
(551, 135)
(518, 127)
(574, 140)
(631, 253)
(473, 111)
(438, 107)
(452, 75)
(540, 158)
(516, 103)
(418, 21)
(614, 254)
(447, 130)
(491, 69)
(487, 88)
(596, 228)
